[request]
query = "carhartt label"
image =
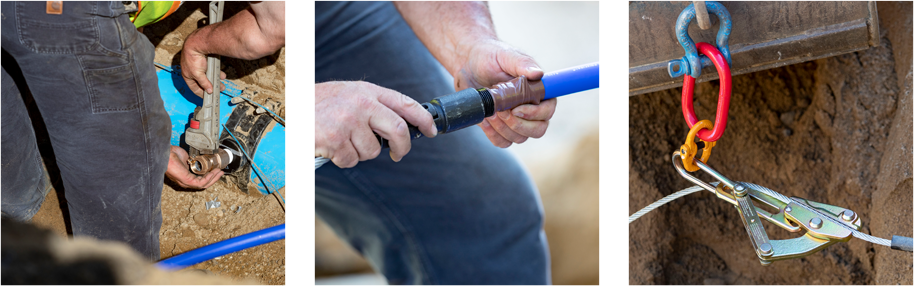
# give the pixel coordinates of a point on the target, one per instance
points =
(55, 7)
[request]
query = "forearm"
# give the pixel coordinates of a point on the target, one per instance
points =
(245, 35)
(449, 29)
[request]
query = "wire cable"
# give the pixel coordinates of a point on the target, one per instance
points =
(694, 189)
(320, 161)
(663, 201)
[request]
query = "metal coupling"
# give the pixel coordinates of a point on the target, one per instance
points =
(203, 164)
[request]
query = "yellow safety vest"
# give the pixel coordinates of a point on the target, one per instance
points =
(153, 11)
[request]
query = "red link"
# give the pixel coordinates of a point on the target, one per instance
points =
(194, 124)
(723, 99)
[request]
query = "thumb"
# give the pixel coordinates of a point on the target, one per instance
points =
(180, 153)
(518, 64)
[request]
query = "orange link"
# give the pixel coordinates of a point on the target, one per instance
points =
(689, 149)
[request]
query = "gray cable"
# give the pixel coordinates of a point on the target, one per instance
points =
(320, 161)
(870, 238)
(902, 243)
(663, 201)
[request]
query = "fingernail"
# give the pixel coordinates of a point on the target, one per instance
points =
(533, 69)
(503, 115)
(519, 114)
(434, 131)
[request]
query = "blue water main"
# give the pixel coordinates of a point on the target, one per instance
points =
(224, 247)
(571, 80)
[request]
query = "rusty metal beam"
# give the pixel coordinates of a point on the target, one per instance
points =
(765, 35)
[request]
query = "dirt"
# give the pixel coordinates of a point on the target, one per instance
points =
(187, 225)
(836, 130)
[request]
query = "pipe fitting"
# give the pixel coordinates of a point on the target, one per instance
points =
(203, 164)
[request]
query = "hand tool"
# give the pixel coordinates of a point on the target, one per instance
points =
(203, 133)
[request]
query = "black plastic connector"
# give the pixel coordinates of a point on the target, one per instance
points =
(454, 111)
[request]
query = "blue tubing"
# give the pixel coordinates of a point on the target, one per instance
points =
(224, 247)
(571, 80)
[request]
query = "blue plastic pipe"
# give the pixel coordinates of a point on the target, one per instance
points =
(224, 247)
(571, 80)
(270, 155)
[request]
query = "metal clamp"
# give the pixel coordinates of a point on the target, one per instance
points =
(691, 64)
(823, 224)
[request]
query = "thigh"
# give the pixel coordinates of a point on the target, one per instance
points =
(370, 41)
(95, 85)
(456, 209)
(24, 182)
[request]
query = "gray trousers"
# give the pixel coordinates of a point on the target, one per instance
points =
(456, 209)
(92, 76)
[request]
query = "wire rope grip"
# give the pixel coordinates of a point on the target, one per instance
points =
(692, 63)
(822, 224)
(688, 150)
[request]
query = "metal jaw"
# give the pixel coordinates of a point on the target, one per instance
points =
(823, 224)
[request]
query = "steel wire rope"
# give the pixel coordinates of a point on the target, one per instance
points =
(694, 189)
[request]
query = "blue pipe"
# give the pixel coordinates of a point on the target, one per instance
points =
(571, 80)
(224, 247)
(180, 102)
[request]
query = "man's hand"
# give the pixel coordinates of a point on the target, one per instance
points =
(193, 69)
(461, 36)
(490, 62)
(251, 34)
(179, 172)
(349, 113)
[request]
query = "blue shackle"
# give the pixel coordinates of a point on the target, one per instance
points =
(692, 63)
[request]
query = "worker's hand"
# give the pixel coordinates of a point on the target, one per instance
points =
(193, 67)
(490, 62)
(179, 172)
(349, 113)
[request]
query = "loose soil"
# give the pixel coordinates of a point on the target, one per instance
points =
(835, 130)
(187, 225)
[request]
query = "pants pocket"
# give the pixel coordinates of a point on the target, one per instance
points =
(56, 34)
(112, 89)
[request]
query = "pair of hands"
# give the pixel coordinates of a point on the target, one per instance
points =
(193, 69)
(349, 113)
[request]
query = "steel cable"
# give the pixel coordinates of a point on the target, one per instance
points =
(320, 161)
(694, 189)
(663, 201)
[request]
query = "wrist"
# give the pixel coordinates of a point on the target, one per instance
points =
(194, 43)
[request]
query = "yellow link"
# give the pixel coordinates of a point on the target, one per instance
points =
(689, 149)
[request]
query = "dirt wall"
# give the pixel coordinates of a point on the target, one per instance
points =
(834, 130)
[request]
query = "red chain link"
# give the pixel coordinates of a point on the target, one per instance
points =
(723, 99)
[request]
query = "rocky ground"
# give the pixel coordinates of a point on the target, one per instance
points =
(836, 130)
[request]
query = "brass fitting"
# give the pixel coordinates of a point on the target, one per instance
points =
(203, 164)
